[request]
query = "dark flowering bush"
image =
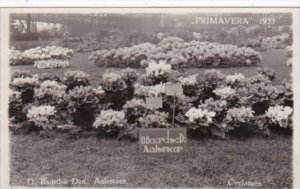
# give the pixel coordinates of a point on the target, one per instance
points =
(84, 103)
(74, 79)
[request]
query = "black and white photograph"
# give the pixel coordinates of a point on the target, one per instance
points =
(150, 98)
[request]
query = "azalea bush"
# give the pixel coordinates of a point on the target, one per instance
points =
(42, 116)
(155, 119)
(134, 109)
(50, 92)
(110, 121)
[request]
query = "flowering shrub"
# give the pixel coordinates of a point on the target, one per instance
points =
(230, 79)
(50, 92)
(281, 115)
(39, 53)
(200, 116)
(25, 85)
(135, 109)
(83, 104)
(110, 121)
(51, 63)
(42, 116)
(113, 82)
(155, 120)
(189, 85)
(74, 79)
(20, 74)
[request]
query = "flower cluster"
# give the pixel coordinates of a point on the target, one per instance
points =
(110, 120)
(75, 78)
(279, 115)
(51, 63)
(24, 83)
(189, 80)
(39, 53)
(42, 116)
(224, 92)
(155, 120)
(148, 91)
(198, 115)
(134, 109)
(157, 69)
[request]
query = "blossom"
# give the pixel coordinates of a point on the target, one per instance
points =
(241, 114)
(51, 63)
(234, 78)
(154, 120)
(224, 92)
(153, 90)
(279, 114)
(159, 68)
(50, 88)
(194, 114)
(189, 80)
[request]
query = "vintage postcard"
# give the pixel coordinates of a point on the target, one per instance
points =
(149, 97)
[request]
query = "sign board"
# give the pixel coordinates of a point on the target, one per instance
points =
(162, 141)
(174, 89)
(154, 102)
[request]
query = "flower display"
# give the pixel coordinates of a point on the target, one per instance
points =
(110, 120)
(239, 115)
(279, 115)
(51, 63)
(200, 115)
(42, 116)
(224, 92)
(155, 120)
(39, 53)
(178, 53)
(75, 78)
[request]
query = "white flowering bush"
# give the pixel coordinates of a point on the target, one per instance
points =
(110, 121)
(280, 115)
(51, 64)
(155, 120)
(42, 116)
(158, 69)
(39, 53)
(200, 117)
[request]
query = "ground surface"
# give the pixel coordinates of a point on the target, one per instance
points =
(274, 59)
(208, 162)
